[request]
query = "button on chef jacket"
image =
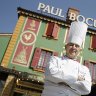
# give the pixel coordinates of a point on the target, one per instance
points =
(66, 70)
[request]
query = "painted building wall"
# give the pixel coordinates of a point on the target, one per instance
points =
(31, 33)
(23, 50)
(4, 40)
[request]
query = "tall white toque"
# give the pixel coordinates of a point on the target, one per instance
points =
(77, 32)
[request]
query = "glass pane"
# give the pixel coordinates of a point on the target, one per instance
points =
(48, 55)
(41, 60)
(92, 68)
(94, 74)
(44, 58)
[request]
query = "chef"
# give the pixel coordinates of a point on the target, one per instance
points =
(64, 76)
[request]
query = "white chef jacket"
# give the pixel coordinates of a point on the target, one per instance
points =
(66, 70)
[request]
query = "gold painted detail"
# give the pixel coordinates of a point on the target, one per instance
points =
(12, 42)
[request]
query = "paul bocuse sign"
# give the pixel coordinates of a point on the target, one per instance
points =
(59, 12)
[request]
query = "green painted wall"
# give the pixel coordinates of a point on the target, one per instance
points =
(51, 44)
(42, 42)
(87, 53)
(4, 40)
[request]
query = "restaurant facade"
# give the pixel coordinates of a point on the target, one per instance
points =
(26, 51)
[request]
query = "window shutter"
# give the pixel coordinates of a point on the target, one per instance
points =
(55, 53)
(36, 57)
(55, 31)
(91, 68)
(93, 45)
(50, 29)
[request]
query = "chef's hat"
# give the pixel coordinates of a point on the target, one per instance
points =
(77, 32)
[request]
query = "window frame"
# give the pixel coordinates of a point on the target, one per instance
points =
(36, 59)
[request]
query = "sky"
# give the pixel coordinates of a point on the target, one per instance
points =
(9, 15)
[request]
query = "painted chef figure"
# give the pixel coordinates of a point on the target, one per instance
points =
(64, 76)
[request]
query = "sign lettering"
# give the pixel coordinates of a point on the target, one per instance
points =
(59, 12)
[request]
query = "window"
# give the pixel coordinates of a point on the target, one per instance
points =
(52, 30)
(93, 42)
(92, 68)
(40, 59)
(44, 58)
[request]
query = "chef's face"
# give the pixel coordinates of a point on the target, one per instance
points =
(72, 50)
